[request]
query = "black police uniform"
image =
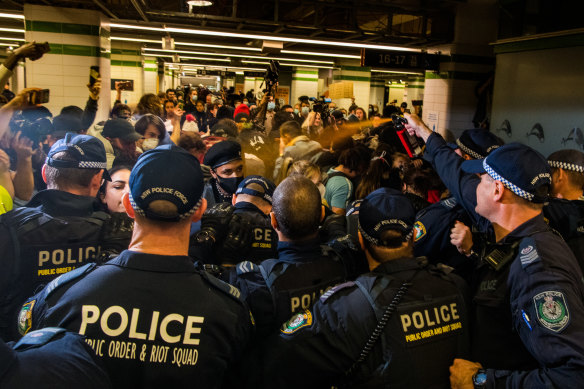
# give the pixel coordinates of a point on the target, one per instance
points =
(249, 236)
(528, 327)
(424, 334)
(51, 358)
(156, 321)
(567, 217)
(56, 232)
(276, 288)
(432, 235)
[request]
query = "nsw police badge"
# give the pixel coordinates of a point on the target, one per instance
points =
(552, 310)
(25, 317)
(297, 322)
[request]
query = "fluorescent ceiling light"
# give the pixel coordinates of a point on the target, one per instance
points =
(395, 71)
(217, 67)
(237, 55)
(11, 16)
(264, 37)
(11, 30)
(119, 38)
(11, 39)
(197, 58)
(291, 64)
(219, 46)
(132, 27)
(321, 54)
(207, 59)
(8, 44)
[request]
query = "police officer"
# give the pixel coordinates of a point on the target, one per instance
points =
(433, 223)
(304, 269)
(150, 314)
(60, 228)
(528, 292)
(399, 326)
(51, 358)
(224, 159)
(242, 231)
(565, 210)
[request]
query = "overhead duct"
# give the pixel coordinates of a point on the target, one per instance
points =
(272, 47)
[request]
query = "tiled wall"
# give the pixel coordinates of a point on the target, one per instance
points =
(79, 39)
(304, 83)
(376, 94)
(126, 64)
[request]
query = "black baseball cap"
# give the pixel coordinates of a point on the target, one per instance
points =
(385, 209)
(519, 167)
(222, 153)
(120, 128)
(166, 173)
(87, 152)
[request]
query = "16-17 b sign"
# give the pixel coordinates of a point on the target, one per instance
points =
(399, 60)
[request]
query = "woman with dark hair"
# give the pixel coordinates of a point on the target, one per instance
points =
(153, 132)
(200, 116)
(380, 174)
(168, 114)
(111, 192)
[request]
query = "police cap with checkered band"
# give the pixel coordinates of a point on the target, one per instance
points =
(85, 152)
(521, 169)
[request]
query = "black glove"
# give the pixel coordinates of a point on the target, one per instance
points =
(238, 240)
(214, 223)
(116, 234)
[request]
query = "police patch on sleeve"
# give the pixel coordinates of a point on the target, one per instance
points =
(419, 231)
(25, 317)
(298, 321)
(552, 310)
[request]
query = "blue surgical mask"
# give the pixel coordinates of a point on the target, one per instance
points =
(296, 111)
(271, 106)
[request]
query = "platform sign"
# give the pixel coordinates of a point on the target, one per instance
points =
(399, 60)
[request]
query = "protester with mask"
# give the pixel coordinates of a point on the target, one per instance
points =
(153, 131)
(122, 137)
(226, 163)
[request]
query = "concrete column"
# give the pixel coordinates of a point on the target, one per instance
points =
(304, 83)
(414, 89)
(376, 94)
(79, 39)
(126, 64)
(361, 79)
(150, 76)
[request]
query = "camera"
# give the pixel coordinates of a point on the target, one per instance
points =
(272, 75)
(125, 85)
(35, 129)
(321, 107)
(39, 97)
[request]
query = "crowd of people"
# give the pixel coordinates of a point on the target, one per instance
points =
(215, 239)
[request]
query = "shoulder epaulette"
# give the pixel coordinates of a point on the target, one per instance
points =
(38, 338)
(68, 277)
(449, 202)
(226, 288)
(335, 289)
(246, 267)
(528, 254)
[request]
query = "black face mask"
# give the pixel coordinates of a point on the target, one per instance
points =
(229, 185)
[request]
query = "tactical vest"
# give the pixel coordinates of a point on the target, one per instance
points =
(296, 286)
(43, 248)
(428, 328)
(493, 322)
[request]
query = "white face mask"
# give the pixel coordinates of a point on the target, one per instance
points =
(150, 144)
